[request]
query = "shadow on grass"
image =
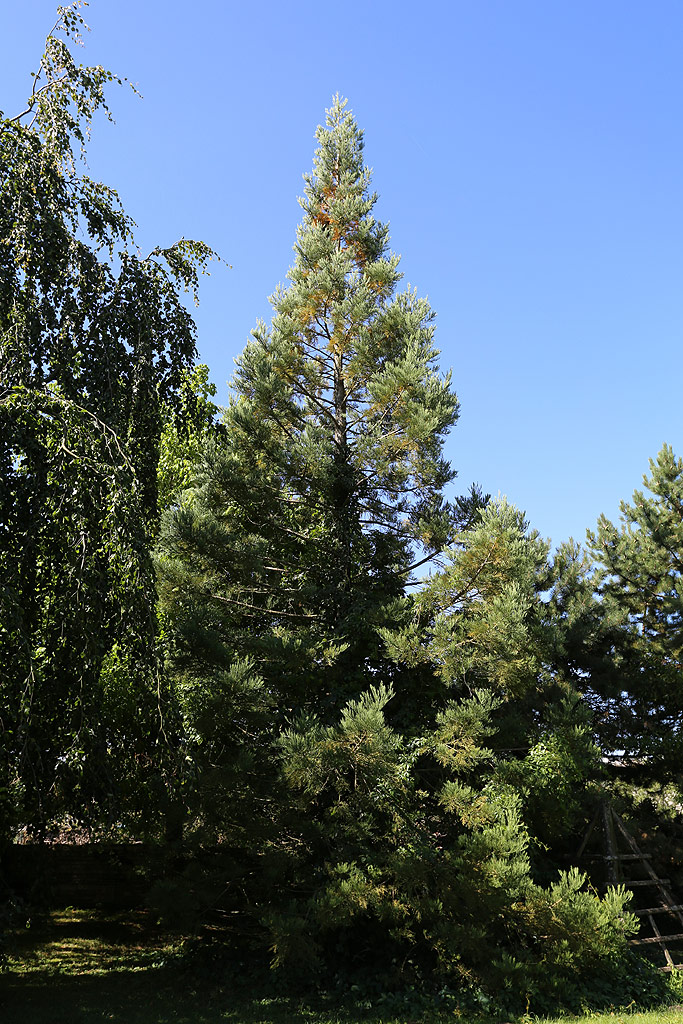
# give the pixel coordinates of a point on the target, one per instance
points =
(152, 996)
(85, 967)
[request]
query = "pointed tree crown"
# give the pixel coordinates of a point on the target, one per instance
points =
(347, 373)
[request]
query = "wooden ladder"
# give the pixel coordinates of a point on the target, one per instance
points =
(613, 829)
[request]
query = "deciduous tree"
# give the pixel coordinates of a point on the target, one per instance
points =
(94, 338)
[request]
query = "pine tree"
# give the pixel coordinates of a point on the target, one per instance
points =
(327, 491)
(357, 370)
(488, 623)
(307, 514)
(638, 694)
(339, 729)
(426, 846)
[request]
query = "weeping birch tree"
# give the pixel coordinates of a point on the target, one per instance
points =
(95, 340)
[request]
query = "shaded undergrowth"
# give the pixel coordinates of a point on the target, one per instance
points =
(76, 966)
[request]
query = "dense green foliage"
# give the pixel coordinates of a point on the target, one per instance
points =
(185, 429)
(641, 586)
(422, 851)
(94, 340)
(305, 520)
(212, 634)
(297, 541)
(380, 769)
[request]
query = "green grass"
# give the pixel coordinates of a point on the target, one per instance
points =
(75, 967)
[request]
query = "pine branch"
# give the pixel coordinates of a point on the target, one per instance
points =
(416, 565)
(255, 612)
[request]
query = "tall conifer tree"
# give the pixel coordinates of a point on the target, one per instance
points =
(316, 693)
(638, 693)
(308, 519)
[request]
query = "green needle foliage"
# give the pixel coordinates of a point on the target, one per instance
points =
(638, 696)
(422, 848)
(310, 514)
(94, 340)
(398, 779)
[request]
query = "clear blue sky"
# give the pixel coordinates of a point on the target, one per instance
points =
(529, 159)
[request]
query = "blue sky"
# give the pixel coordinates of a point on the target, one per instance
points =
(529, 160)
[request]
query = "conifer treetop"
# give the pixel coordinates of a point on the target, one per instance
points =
(347, 371)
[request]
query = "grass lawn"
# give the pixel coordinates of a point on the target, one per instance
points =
(78, 968)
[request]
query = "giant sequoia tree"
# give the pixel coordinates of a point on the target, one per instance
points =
(93, 340)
